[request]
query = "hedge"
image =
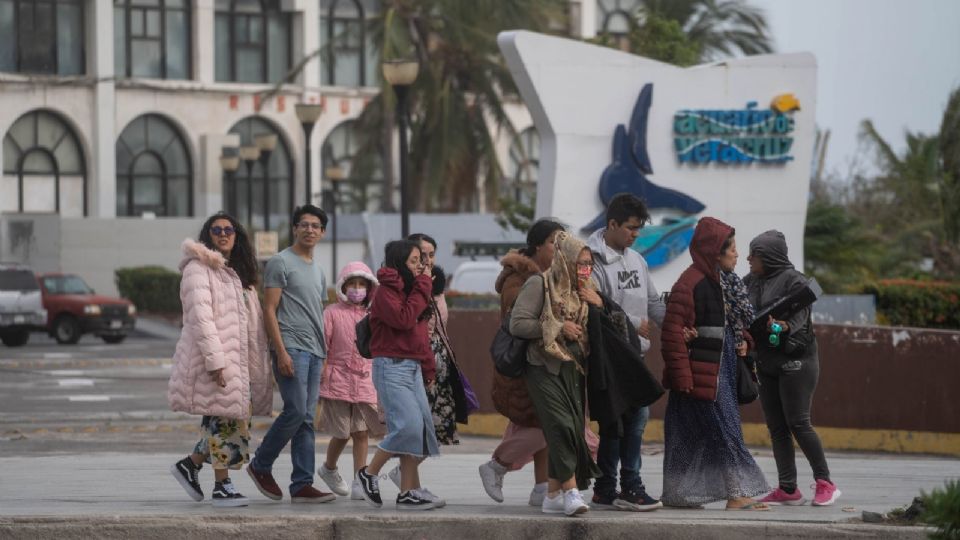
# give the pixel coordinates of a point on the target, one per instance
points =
(924, 304)
(153, 289)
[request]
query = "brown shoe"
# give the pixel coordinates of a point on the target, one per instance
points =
(265, 483)
(310, 494)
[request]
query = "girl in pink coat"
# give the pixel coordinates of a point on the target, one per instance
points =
(220, 369)
(348, 400)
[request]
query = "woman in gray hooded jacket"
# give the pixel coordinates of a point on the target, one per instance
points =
(788, 372)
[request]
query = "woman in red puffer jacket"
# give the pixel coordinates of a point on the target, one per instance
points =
(705, 458)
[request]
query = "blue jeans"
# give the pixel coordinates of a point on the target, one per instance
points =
(624, 450)
(399, 385)
(295, 422)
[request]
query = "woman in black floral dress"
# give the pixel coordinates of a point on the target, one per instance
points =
(441, 393)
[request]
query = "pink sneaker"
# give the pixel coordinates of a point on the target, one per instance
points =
(827, 493)
(779, 496)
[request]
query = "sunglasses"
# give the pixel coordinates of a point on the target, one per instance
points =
(222, 231)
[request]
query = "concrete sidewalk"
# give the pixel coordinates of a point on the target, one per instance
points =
(130, 495)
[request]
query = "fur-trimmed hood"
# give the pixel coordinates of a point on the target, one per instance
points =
(515, 263)
(193, 249)
(355, 269)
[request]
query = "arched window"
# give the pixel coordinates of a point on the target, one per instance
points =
(361, 186)
(349, 54)
(523, 168)
(253, 41)
(152, 38)
(615, 18)
(43, 167)
(261, 198)
(154, 173)
(42, 36)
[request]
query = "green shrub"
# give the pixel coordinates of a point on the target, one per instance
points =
(942, 510)
(154, 289)
(925, 304)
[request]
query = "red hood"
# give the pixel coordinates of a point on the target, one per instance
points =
(708, 238)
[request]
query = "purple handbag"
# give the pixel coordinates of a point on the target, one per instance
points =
(473, 404)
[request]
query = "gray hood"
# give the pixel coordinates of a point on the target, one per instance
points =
(771, 247)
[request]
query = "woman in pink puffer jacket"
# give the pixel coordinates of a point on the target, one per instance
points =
(348, 399)
(220, 369)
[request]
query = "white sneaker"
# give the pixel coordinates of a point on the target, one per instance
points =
(573, 503)
(333, 480)
(537, 494)
(394, 476)
(491, 475)
(356, 492)
(425, 493)
(552, 505)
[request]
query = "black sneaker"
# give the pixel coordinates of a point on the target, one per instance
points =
(411, 500)
(370, 485)
(226, 496)
(604, 500)
(186, 474)
(637, 501)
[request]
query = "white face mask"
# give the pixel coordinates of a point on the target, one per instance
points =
(356, 294)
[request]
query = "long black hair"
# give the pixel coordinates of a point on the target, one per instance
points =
(395, 256)
(539, 233)
(438, 275)
(242, 258)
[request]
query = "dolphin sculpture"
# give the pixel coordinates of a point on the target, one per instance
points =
(626, 171)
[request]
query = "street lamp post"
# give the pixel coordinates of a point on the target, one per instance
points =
(335, 174)
(400, 74)
(266, 143)
(308, 113)
(249, 155)
(230, 162)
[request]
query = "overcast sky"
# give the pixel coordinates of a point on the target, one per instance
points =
(893, 61)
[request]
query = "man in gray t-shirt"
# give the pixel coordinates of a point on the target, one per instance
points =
(294, 290)
(302, 288)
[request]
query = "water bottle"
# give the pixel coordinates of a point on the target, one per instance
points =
(775, 330)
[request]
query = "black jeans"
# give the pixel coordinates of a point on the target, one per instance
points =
(786, 390)
(623, 450)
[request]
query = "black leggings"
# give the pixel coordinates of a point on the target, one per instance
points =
(786, 390)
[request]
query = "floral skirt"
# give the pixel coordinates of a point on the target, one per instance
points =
(705, 458)
(440, 395)
(224, 441)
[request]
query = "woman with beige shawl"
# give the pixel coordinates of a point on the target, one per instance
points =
(551, 311)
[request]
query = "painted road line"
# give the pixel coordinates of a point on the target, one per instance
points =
(75, 382)
(87, 398)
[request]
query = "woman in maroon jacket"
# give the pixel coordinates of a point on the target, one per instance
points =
(400, 344)
(705, 458)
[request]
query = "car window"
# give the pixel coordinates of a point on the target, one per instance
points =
(18, 280)
(475, 281)
(66, 285)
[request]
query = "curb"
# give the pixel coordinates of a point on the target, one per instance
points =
(373, 527)
(756, 435)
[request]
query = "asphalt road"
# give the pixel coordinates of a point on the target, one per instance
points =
(95, 397)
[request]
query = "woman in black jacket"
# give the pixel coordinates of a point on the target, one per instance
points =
(788, 372)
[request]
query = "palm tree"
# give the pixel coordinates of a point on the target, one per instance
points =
(457, 103)
(715, 28)
(950, 181)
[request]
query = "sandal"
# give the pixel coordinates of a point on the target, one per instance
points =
(755, 506)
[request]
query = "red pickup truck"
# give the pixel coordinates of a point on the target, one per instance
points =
(74, 309)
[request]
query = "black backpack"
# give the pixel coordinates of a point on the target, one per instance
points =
(363, 337)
